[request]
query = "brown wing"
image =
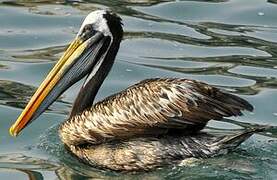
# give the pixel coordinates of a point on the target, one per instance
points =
(155, 106)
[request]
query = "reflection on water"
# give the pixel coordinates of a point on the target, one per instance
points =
(36, 55)
(228, 43)
(32, 168)
(15, 94)
(18, 95)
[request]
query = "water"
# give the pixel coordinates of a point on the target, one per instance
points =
(228, 43)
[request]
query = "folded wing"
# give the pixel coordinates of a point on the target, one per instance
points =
(158, 106)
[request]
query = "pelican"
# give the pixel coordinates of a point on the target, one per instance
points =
(154, 123)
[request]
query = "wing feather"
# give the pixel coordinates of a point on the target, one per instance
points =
(157, 106)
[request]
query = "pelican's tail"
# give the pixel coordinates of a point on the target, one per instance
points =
(229, 143)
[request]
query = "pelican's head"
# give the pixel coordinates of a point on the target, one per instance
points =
(106, 22)
(93, 50)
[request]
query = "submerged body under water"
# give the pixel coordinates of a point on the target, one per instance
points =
(229, 44)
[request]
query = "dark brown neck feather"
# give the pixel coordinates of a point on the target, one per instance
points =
(88, 91)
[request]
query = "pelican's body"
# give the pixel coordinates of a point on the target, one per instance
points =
(151, 124)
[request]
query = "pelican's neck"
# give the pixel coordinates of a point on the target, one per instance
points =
(91, 86)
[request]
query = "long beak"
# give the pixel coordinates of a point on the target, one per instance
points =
(60, 78)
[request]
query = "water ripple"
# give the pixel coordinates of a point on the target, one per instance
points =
(229, 43)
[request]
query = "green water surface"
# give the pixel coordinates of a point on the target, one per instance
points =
(231, 44)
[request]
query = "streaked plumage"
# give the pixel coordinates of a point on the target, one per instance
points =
(152, 107)
(146, 153)
(153, 123)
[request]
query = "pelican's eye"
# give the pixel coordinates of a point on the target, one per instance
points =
(87, 28)
(87, 32)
